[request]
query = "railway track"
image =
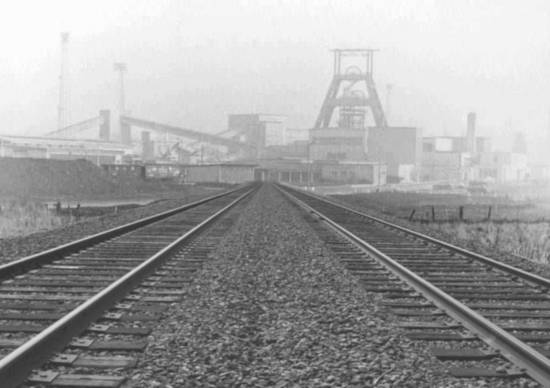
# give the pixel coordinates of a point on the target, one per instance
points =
(94, 300)
(482, 318)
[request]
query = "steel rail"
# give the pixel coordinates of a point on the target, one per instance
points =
(535, 364)
(530, 277)
(16, 366)
(45, 257)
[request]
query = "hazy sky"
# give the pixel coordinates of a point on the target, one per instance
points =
(193, 62)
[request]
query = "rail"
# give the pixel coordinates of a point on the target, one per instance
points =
(25, 263)
(16, 366)
(535, 279)
(536, 365)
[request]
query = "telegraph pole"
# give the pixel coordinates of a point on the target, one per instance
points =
(62, 108)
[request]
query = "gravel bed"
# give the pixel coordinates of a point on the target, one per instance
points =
(17, 247)
(275, 308)
(505, 257)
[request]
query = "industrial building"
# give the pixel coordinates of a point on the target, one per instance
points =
(400, 148)
(341, 132)
(296, 171)
(453, 158)
(307, 172)
(292, 135)
(96, 151)
(351, 172)
(219, 173)
(350, 142)
(445, 166)
(229, 173)
(503, 166)
(138, 141)
(470, 157)
(258, 130)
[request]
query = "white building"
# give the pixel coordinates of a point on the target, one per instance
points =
(96, 151)
(503, 166)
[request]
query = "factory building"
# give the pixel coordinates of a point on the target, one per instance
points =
(96, 151)
(445, 166)
(341, 148)
(302, 172)
(539, 172)
(295, 171)
(345, 147)
(445, 158)
(467, 158)
(338, 144)
(503, 167)
(454, 158)
(296, 135)
(345, 172)
(454, 144)
(400, 148)
(229, 173)
(219, 173)
(258, 130)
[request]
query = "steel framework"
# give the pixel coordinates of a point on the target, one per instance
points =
(352, 104)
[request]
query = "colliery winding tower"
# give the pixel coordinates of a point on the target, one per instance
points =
(347, 136)
(340, 129)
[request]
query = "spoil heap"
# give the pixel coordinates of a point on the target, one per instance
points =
(25, 177)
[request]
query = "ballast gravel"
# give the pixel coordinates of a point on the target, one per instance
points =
(275, 308)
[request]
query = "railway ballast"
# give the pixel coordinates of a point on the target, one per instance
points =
(270, 286)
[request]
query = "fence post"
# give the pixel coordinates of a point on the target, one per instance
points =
(461, 213)
(433, 214)
(412, 215)
(489, 213)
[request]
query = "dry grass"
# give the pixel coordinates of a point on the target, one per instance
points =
(446, 207)
(520, 228)
(531, 240)
(18, 218)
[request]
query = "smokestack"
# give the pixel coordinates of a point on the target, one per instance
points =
(147, 146)
(120, 68)
(471, 133)
(105, 124)
(121, 127)
(62, 107)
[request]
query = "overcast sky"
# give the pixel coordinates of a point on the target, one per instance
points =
(193, 62)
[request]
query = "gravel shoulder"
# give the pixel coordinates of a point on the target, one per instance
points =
(274, 308)
(17, 247)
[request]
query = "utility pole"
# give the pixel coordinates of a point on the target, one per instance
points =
(62, 107)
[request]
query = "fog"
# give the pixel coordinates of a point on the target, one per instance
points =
(193, 62)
